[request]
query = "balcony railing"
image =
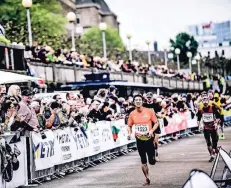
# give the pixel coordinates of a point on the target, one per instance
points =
(63, 74)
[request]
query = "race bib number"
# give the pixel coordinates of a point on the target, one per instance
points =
(141, 129)
(208, 117)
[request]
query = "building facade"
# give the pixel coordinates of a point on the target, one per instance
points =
(90, 13)
(213, 37)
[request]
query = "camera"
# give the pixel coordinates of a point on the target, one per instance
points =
(42, 133)
(102, 93)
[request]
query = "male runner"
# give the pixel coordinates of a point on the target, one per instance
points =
(142, 119)
(209, 115)
(155, 105)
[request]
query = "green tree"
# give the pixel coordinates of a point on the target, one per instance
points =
(185, 43)
(91, 43)
(48, 24)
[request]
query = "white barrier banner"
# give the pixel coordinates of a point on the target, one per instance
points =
(82, 143)
(43, 150)
(191, 123)
(65, 146)
(107, 142)
(123, 132)
(94, 137)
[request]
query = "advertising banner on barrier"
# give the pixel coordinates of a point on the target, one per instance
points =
(120, 132)
(82, 143)
(191, 123)
(65, 146)
(106, 141)
(94, 137)
(177, 123)
(43, 150)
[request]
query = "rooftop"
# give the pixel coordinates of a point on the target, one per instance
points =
(103, 5)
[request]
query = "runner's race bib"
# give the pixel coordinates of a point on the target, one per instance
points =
(141, 129)
(208, 117)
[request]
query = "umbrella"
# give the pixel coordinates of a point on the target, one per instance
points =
(9, 77)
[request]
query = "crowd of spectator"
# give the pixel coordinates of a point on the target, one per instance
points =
(47, 55)
(22, 110)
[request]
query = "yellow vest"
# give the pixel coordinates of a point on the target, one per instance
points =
(218, 103)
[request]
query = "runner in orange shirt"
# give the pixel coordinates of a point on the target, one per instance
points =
(141, 118)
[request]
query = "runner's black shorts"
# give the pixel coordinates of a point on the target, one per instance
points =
(146, 147)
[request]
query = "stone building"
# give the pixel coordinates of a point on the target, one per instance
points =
(90, 13)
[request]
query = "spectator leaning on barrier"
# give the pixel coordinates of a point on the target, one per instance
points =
(26, 113)
(40, 114)
(53, 122)
(105, 113)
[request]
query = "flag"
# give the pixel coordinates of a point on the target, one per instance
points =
(207, 26)
(115, 132)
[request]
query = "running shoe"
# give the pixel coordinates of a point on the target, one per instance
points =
(220, 137)
(223, 136)
(147, 182)
(157, 159)
(211, 158)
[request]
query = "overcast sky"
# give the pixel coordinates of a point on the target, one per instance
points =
(160, 20)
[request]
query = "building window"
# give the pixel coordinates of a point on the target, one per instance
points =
(220, 44)
(78, 18)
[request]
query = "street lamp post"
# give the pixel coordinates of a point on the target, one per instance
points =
(177, 52)
(198, 58)
(28, 4)
(103, 28)
(149, 55)
(189, 55)
(165, 58)
(129, 46)
(71, 17)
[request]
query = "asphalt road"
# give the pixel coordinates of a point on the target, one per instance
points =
(177, 160)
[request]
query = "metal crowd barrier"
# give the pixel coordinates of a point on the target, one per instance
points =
(58, 171)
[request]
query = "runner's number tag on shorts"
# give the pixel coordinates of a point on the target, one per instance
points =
(208, 117)
(141, 129)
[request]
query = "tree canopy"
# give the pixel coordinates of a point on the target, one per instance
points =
(47, 22)
(91, 42)
(185, 43)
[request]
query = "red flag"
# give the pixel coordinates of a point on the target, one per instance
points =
(207, 26)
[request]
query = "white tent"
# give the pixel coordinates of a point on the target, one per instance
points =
(9, 77)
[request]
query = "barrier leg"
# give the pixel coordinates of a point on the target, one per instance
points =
(56, 177)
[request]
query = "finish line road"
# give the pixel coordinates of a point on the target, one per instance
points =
(177, 160)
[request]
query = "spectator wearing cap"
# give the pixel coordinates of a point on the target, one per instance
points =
(27, 96)
(112, 91)
(58, 99)
(26, 113)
